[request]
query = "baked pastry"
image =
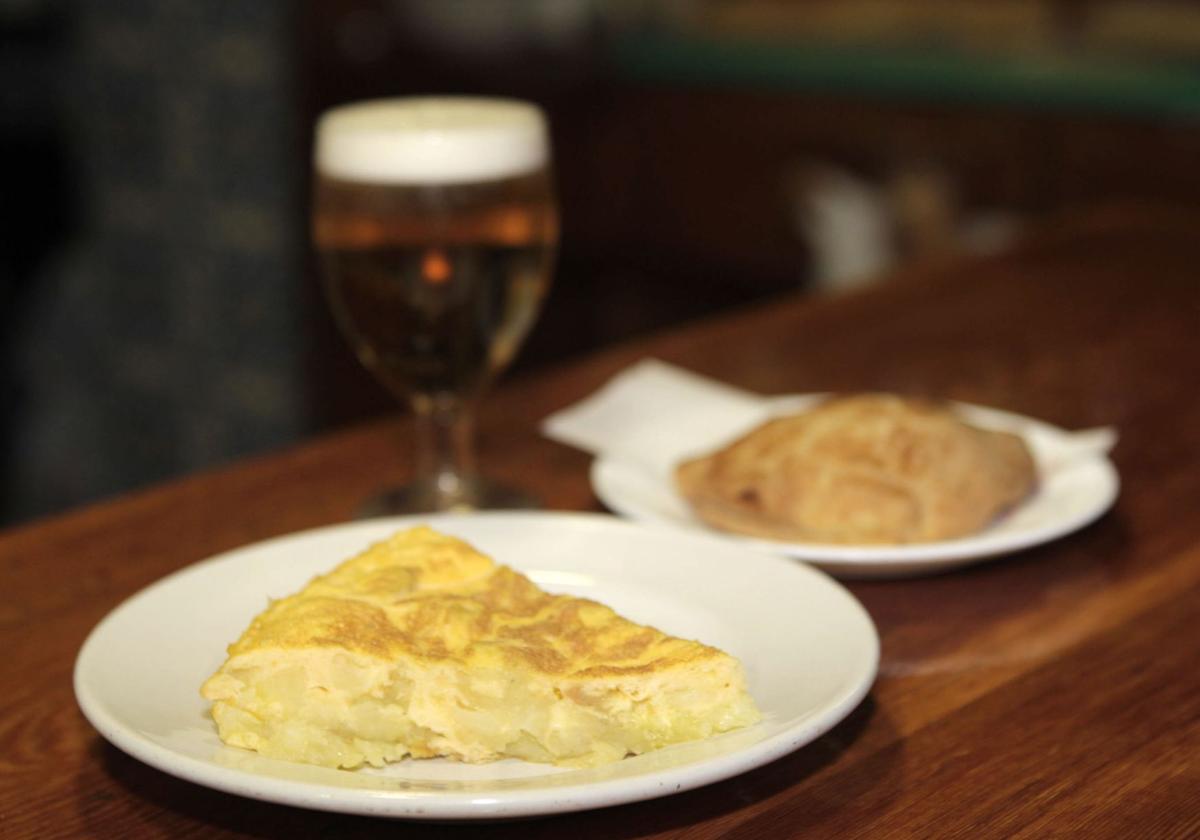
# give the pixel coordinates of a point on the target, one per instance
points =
(421, 646)
(866, 469)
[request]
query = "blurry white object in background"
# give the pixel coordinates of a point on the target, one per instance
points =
(845, 221)
(856, 230)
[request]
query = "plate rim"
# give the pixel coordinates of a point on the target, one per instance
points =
(891, 561)
(427, 806)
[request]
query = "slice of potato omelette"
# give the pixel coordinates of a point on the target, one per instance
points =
(421, 646)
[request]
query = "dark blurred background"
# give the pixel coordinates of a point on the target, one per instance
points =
(159, 311)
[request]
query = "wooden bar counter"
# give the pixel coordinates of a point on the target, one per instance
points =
(1051, 693)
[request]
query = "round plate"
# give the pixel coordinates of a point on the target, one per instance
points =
(1076, 484)
(809, 649)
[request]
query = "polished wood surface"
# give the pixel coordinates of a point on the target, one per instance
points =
(1051, 693)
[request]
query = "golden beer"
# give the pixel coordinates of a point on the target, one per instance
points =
(436, 292)
(436, 225)
(436, 282)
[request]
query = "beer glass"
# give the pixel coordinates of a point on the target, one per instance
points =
(436, 224)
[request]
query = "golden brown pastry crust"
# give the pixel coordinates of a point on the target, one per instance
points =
(866, 469)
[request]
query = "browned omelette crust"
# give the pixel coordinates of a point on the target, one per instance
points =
(866, 469)
(432, 597)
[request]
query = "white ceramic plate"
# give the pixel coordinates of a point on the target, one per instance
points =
(809, 649)
(1077, 483)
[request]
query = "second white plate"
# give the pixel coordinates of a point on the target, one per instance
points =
(809, 649)
(1077, 483)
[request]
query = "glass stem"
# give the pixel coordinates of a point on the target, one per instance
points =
(445, 455)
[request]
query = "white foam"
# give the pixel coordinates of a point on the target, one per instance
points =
(431, 140)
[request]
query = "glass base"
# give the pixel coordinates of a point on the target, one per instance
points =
(437, 497)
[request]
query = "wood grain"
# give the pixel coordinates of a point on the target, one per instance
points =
(1052, 693)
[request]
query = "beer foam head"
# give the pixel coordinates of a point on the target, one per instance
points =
(431, 140)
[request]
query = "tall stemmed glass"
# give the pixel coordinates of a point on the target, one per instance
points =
(436, 223)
